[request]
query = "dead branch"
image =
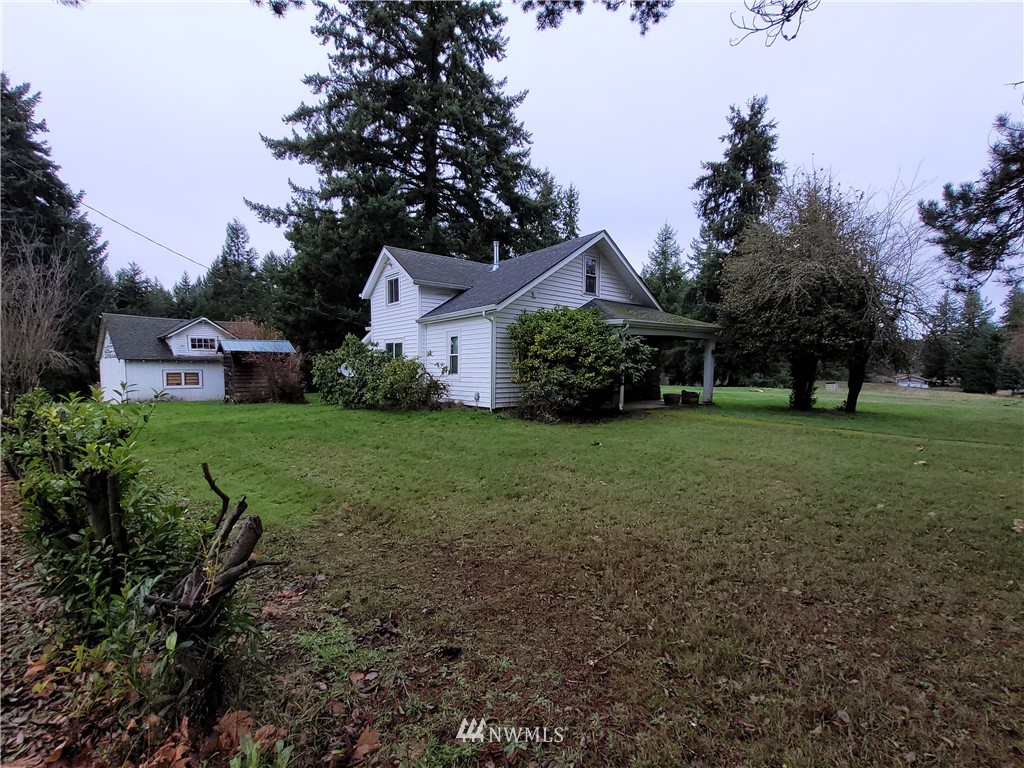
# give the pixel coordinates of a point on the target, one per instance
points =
(225, 500)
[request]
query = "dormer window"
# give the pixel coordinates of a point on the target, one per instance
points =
(590, 275)
(202, 343)
(392, 290)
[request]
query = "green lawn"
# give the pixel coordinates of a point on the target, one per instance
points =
(731, 585)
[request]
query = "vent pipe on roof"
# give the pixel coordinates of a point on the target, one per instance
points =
(495, 266)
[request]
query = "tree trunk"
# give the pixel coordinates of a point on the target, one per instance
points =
(804, 370)
(858, 366)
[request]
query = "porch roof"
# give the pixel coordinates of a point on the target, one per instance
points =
(648, 321)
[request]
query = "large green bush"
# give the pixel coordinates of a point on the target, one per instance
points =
(569, 361)
(359, 376)
(108, 543)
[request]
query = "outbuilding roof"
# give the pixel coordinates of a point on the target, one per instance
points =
(138, 337)
(250, 345)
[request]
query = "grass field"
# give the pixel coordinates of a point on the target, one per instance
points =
(736, 585)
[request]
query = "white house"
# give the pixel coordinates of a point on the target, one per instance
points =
(182, 358)
(453, 314)
(911, 381)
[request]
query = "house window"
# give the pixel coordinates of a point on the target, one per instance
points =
(392, 290)
(182, 379)
(453, 355)
(590, 274)
(394, 349)
(198, 342)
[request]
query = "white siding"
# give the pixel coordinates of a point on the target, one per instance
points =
(395, 322)
(474, 377)
(179, 343)
(564, 288)
(147, 377)
(112, 372)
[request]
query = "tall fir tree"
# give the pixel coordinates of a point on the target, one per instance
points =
(1011, 365)
(231, 287)
(415, 145)
(569, 212)
(37, 207)
(938, 352)
(665, 273)
(185, 294)
(136, 294)
(733, 192)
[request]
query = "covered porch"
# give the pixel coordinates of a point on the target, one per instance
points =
(649, 322)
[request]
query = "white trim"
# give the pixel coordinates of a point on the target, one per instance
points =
(184, 372)
(176, 331)
(458, 315)
(597, 275)
(194, 348)
(534, 283)
(456, 334)
(397, 280)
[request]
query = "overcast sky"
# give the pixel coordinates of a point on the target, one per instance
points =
(155, 109)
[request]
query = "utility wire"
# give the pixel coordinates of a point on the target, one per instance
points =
(167, 248)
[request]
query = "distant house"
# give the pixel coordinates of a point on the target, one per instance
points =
(185, 359)
(911, 381)
(453, 314)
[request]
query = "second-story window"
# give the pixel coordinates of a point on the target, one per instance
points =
(393, 290)
(590, 274)
(199, 342)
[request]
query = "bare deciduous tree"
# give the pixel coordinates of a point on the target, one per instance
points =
(828, 276)
(34, 311)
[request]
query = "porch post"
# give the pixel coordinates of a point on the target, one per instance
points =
(709, 372)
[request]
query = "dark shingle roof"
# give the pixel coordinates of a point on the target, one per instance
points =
(440, 270)
(136, 337)
(494, 286)
(617, 310)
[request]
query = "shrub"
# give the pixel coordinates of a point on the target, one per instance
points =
(359, 376)
(570, 360)
(105, 539)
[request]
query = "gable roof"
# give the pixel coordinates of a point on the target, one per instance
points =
(432, 269)
(137, 337)
(511, 276)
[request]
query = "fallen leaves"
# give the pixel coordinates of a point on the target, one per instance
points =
(1018, 526)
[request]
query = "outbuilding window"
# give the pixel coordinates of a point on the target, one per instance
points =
(201, 342)
(392, 290)
(182, 379)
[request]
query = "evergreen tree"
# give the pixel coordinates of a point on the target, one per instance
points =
(185, 295)
(980, 225)
(136, 294)
(1011, 366)
(665, 273)
(979, 366)
(39, 209)
(569, 213)
(733, 192)
(231, 288)
(415, 144)
(938, 354)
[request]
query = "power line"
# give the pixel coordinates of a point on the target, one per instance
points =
(167, 248)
